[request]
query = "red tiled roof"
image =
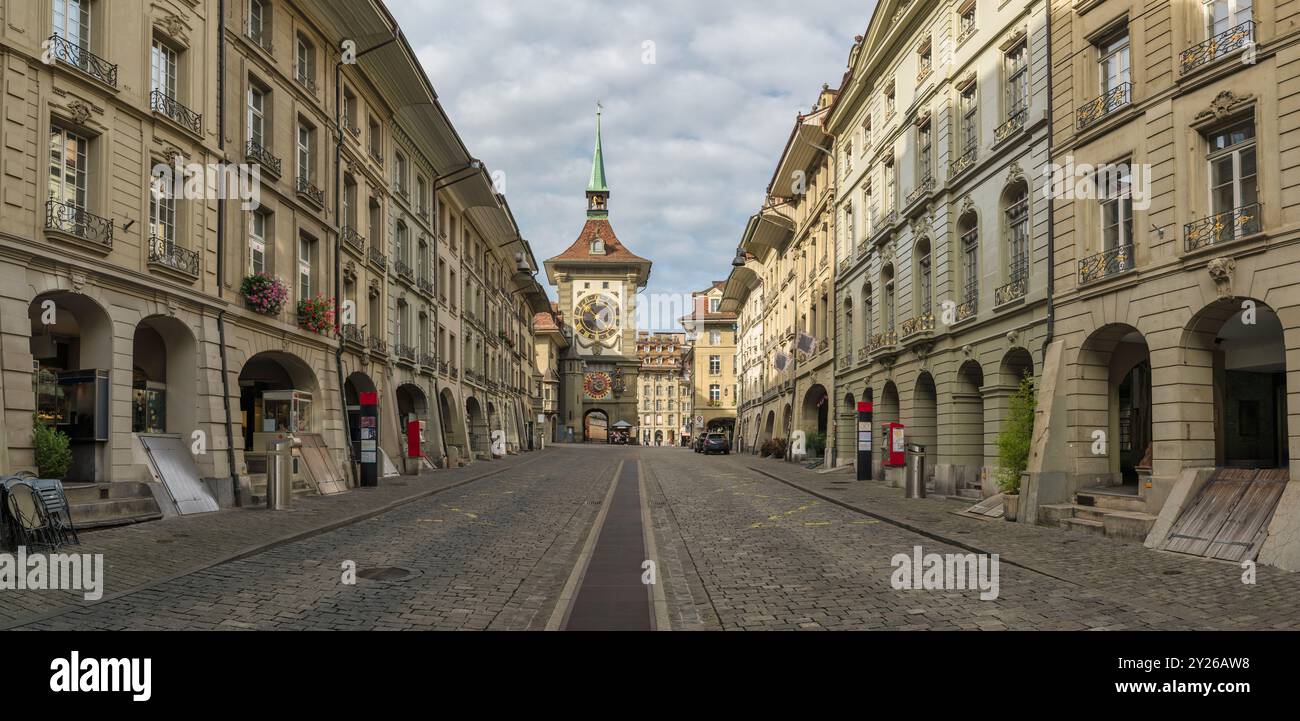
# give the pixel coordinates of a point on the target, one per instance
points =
(615, 251)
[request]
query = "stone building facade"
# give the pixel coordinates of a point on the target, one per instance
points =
(664, 409)
(1171, 352)
(713, 333)
(942, 283)
(361, 183)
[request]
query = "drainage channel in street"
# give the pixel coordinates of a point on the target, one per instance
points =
(611, 596)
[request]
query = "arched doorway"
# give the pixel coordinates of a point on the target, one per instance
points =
(969, 445)
(477, 425)
(278, 393)
(923, 428)
(814, 420)
(847, 426)
(413, 405)
(164, 374)
(453, 433)
(595, 426)
(1237, 347)
(71, 344)
(769, 430)
(356, 384)
(659, 438)
(787, 420)
(886, 412)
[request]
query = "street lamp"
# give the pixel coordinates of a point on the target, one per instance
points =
(739, 260)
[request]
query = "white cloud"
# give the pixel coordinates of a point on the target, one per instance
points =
(690, 141)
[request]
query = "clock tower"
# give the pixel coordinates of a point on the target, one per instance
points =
(597, 279)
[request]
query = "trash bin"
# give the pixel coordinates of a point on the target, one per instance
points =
(279, 474)
(915, 485)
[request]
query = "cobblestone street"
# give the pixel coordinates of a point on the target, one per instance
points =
(740, 543)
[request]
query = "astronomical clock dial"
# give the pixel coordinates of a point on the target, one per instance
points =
(597, 385)
(597, 318)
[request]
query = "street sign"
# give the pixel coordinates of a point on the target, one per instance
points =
(369, 420)
(864, 440)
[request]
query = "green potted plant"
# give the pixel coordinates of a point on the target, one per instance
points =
(1013, 445)
(53, 456)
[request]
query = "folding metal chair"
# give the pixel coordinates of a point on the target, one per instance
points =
(57, 509)
(31, 525)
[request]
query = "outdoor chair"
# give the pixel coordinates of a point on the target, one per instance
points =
(31, 526)
(57, 509)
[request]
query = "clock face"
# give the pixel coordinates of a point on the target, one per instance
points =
(597, 317)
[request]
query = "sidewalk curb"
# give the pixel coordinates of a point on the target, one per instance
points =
(259, 548)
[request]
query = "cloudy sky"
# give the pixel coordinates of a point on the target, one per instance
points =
(691, 138)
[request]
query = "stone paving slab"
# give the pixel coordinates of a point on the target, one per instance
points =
(139, 555)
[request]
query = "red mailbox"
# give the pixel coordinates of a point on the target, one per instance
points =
(895, 450)
(413, 439)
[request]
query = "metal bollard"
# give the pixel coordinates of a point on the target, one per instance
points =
(915, 485)
(279, 474)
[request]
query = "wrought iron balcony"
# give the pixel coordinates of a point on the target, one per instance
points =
(257, 153)
(1016, 288)
(77, 222)
(917, 324)
(923, 73)
(883, 340)
(1096, 109)
(169, 255)
(963, 161)
(427, 360)
(922, 189)
(968, 307)
(352, 333)
(259, 37)
(1225, 43)
(377, 257)
(351, 126)
(443, 366)
(307, 82)
(308, 190)
(1222, 227)
(864, 352)
(1015, 123)
(161, 102)
(352, 238)
(425, 285)
(403, 270)
(1106, 263)
(966, 32)
(378, 345)
(60, 48)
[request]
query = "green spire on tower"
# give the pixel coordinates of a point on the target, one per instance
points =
(597, 188)
(597, 184)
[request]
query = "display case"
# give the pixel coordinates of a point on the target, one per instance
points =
(149, 407)
(285, 411)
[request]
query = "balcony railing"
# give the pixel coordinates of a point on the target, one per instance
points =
(917, 324)
(378, 345)
(963, 161)
(169, 255)
(75, 221)
(425, 286)
(308, 190)
(882, 340)
(1225, 43)
(427, 360)
(1015, 123)
(260, 154)
(161, 102)
(967, 30)
(377, 257)
(1106, 263)
(403, 270)
(352, 333)
(1098, 108)
(923, 73)
(351, 237)
(864, 352)
(1016, 288)
(968, 307)
(82, 59)
(442, 367)
(1222, 227)
(307, 82)
(922, 189)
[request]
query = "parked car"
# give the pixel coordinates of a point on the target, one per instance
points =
(716, 443)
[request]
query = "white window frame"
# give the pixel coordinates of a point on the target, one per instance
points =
(257, 242)
(68, 182)
(1236, 151)
(163, 62)
(305, 250)
(257, 115)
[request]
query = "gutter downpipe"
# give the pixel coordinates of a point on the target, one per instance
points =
(338, 261)
(221, 250)
(1051, 205)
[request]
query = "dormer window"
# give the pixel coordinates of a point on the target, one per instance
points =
(597, 246)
